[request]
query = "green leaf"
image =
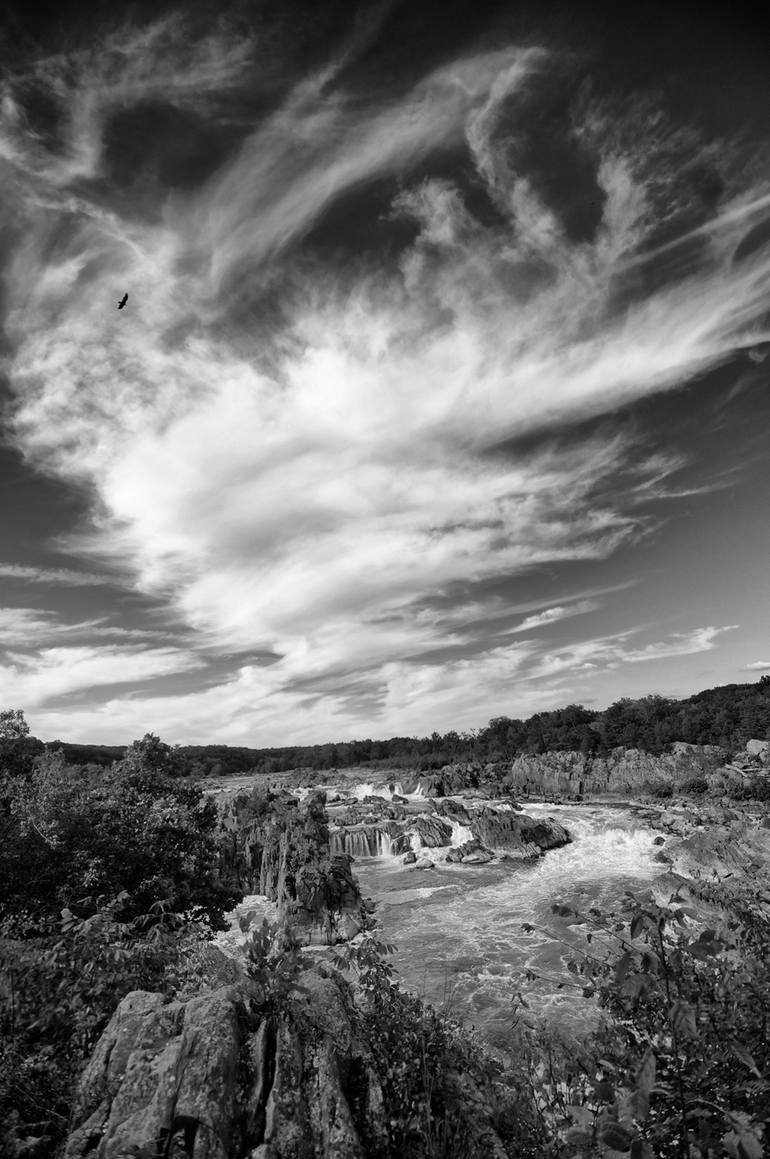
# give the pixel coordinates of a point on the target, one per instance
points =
(615, 1136)
(645, 1081)
(683, 1019)
(741, 1053)
(637, 925)
(622, 967)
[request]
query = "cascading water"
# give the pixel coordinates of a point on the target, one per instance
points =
(458, 928)
(367, 841)
(463, 929)
(460, 833)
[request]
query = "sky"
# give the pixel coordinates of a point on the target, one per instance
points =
(442, 390)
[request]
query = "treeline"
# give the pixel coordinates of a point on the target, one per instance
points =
(727, 716)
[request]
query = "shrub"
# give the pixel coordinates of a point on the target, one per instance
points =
(683, 1065)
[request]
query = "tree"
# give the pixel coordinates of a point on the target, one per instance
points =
(75, 835)
(13, 726)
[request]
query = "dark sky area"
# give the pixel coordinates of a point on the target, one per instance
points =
(442, 390)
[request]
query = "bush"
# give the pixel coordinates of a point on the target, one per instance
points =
(694, 787)
(683, 1066)
(429, 1065)
(60, 982)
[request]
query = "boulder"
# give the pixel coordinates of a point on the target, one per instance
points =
(224, 1075)
(432, 831)
(410, 858)
(511, 831)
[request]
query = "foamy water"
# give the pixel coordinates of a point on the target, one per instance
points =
(458, 927)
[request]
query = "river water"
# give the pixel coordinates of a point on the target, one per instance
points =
(458, 927)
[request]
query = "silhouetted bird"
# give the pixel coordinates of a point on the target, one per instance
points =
(122, 301)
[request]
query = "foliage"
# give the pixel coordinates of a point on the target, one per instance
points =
(71, 834)
(682, 1066)
(430, 1066)
(727, 716)
(59, 984)
(274, 962)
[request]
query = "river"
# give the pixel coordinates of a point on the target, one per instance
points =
(458, 927)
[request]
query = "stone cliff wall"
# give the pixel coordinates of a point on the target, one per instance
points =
(222, 1076)
(274, 846)
(627, 771)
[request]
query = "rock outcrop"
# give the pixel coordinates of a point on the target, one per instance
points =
(516, 832)
(627, 771)
(275, 846)
(223, 1075)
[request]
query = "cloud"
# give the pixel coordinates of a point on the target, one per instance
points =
(610, 651)
(52, 672)
(680, 644)
(66, 576)
(758, 666)
(553, 615)
(30, 628)
(296, 454)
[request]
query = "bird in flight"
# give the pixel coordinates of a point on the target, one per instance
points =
(122, 301)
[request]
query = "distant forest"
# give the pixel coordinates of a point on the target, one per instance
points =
(727, 716)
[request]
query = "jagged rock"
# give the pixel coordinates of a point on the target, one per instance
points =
(159, 1071)
(622, 771)
(515, 831)
(273, 846)
(432, 831)
(169, 1074)
(446, 807)
(409, 858)
(221, 1076)
(454, 855)
(476, 856)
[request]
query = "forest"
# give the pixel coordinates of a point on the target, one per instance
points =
(727, 716)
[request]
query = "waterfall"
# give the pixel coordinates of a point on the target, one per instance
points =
(361, 841)
(460, 833)
(369, 789)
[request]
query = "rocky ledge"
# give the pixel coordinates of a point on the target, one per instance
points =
(272, 845)
(222, 1076)
(627, 771)
(470, 830)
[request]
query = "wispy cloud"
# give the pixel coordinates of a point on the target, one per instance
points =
(553, 615)
(305, 480)
(34, 680)
(66, 576)
(758, 666)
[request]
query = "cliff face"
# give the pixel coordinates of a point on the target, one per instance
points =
(571, 774)
(276, 847)
(218, 1076)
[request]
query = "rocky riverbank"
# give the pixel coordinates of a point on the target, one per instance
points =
(223, 1075)
(271, 844)
(462, 829)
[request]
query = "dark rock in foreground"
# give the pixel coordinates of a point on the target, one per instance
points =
(220, 1076)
